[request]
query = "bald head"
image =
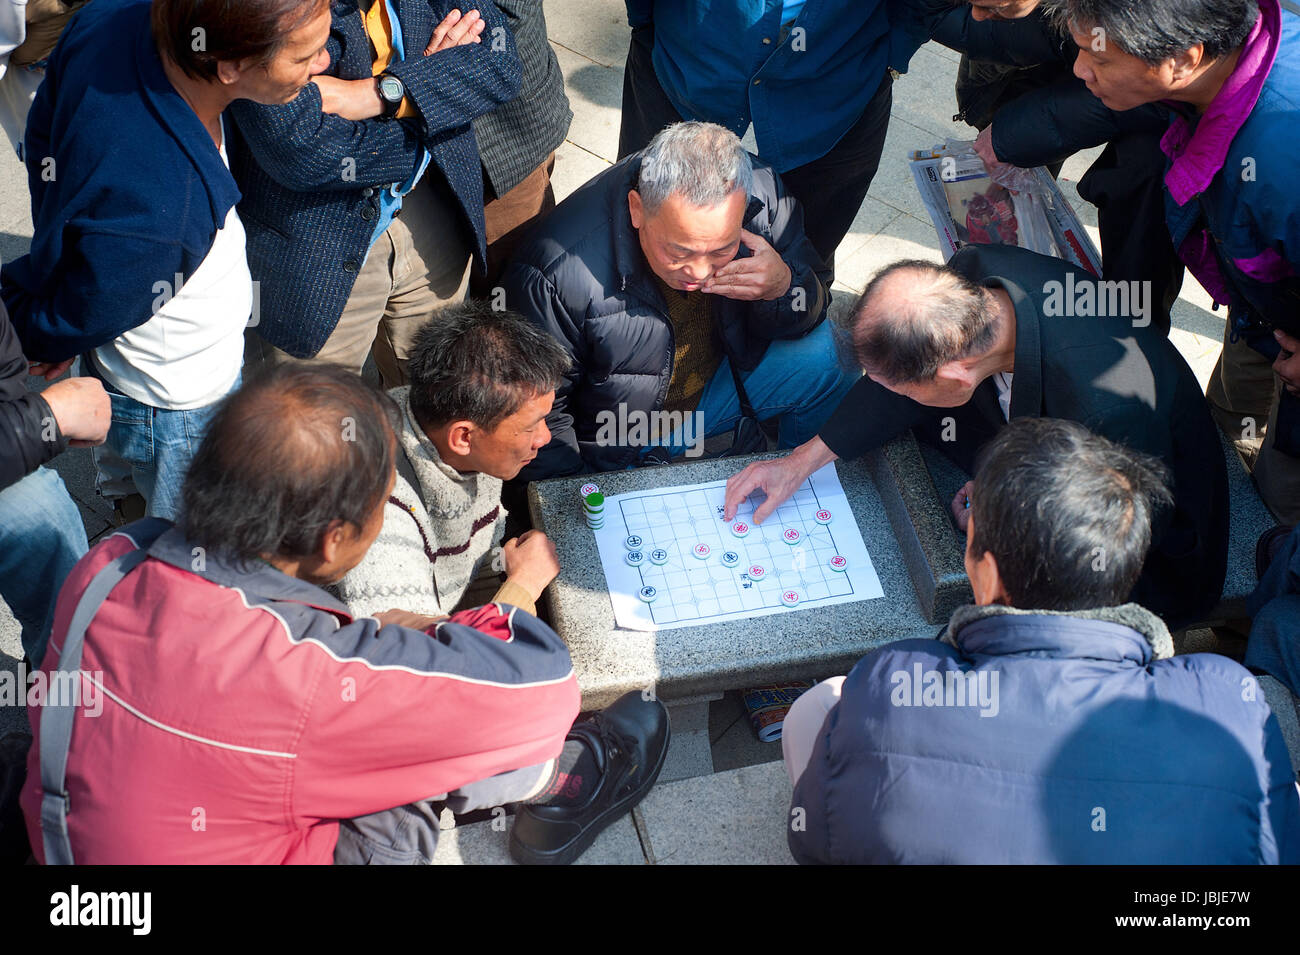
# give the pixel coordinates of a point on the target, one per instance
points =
(914, 317)
(296, 450)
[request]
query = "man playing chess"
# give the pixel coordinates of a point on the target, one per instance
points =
(482, 383)
(957, 351)
(675, 279)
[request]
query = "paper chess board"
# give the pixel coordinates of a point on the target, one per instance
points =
(671, 560)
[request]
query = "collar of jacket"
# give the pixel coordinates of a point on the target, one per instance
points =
(1198, 154)
(183, 123)
(1027, 384)
(444, 492)
(629, 260)
(1126, 632)
(257, 579)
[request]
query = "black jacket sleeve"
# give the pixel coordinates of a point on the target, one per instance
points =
(533, 296)
(870, 415)
(1051, 124)
(25, 418)
(803, 306)
(1027, 41)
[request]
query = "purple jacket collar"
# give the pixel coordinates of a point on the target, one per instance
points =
(1199, 155)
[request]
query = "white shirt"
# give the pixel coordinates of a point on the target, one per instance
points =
(1002, 381)
(189, 353)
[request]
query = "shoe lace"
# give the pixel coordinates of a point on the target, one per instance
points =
(616, 744)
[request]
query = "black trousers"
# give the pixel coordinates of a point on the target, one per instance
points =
(830, 188)
(1127, 185)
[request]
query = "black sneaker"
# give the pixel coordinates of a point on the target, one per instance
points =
(629, 740)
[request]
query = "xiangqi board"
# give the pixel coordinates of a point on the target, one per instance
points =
(671, 560)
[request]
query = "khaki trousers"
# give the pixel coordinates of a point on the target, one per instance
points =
(419, 265)
(1243, 394)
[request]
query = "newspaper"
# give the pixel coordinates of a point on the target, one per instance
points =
(968, 207)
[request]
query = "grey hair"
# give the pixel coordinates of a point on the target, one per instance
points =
(703, 163)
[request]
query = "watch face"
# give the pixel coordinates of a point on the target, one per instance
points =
(391, 89)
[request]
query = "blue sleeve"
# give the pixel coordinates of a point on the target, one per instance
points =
(100, 291)
(451, 87)
(640, 13)
(1281, 819)
(911, 24)
(306, 150)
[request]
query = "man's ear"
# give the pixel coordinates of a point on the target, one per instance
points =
(961, 371)
(460, 435)
(1183, 66)
(635, 209)
(986, 581)
(337, 535)
(229, 72)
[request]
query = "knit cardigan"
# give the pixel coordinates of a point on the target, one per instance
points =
(435, 537)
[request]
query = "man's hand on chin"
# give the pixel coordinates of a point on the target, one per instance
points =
(759, 277)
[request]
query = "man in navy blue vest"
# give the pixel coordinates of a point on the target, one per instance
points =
(1048, 724)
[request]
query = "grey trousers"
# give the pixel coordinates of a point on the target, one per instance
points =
(408, 835)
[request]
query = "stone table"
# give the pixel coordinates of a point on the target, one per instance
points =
(910, 537)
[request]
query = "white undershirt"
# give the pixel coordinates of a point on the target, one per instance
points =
(1002, 381)
(189, 353)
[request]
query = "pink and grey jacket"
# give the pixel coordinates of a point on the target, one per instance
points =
(1232, 197)
(233, 714)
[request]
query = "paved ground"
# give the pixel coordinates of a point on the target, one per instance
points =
(690, 820)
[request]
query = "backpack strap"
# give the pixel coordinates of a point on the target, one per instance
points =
(57, 717)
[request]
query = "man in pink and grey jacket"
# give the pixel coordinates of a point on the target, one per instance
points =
(231, 711)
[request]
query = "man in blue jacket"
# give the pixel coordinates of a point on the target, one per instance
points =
(1048, 724)
(813, 76)
(364, 195)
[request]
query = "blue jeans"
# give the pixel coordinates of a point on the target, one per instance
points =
(799, 380)
(150, 447)
(41, 538)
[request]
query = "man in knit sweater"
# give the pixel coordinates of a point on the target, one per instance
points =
(482, 384)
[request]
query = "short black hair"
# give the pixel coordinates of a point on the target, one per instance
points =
(296, 448)
(470, 362)
(941, 317)
(1066, 513)
(228, 30)
(1155, 30)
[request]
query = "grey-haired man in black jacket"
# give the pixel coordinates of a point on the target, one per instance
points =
(661, 277)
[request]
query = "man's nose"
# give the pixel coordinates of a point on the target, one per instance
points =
(697, 270)
(543, 437)
(321, 63)
(1081, 69)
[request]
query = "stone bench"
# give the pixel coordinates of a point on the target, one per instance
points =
(912, 543)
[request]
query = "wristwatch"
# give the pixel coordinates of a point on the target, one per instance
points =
(391, 93)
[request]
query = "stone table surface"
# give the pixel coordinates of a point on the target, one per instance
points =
(912, 545)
